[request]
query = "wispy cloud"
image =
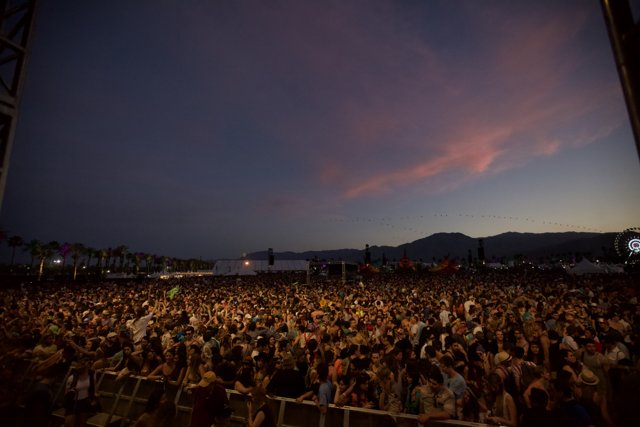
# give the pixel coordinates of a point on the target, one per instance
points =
(533, 113)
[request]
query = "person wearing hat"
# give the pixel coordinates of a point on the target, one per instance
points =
(588, 378)
(589, 396)
(595, 361)
(210, 403)
(107, 350)
(106, 321)
(261, 374)
(501, 361)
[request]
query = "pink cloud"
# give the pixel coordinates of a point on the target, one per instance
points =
(385, 108)
(532, 107)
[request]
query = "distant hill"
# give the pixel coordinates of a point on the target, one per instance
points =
(457, 245)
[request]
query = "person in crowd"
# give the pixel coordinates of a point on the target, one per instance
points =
(452, 379)
(108, 348)
(210, 403)
(153, 403)
(46, 348)
(195, 368)
(80, 398)
(371, 327)
(389, 400)
(245, 380)
(572, 365)
(168, 371)
(39, 401)
(535, 355)
(129, 364)
(537, 412)
(362, 395)
(568, 411)
(588, 396)
(150, 361)
(286, 381)
(138, 325)
(438, 402)
(258, 409)
(500, 404)
(325, 390)
(595, 362)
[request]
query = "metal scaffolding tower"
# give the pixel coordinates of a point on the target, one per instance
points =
(16, 24)
(624, 33)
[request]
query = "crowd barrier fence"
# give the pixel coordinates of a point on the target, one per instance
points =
(123, 401)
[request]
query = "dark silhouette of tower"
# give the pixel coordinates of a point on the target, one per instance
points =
(367, 255)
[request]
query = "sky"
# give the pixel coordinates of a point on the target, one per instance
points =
(209, 129)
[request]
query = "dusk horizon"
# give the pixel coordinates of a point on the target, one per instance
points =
(211, 130)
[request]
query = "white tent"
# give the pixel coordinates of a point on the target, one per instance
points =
(586, 267)
(251, 267)
(612, 268)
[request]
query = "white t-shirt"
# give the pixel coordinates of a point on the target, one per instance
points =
(139, 327)
(82, 387)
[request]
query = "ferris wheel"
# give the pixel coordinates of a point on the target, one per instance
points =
(627, 244)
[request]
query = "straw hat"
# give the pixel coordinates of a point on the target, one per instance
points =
(207, 379)
(502, 357)
(587, 377)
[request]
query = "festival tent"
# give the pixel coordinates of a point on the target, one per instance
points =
(612, 268)
(252, 267)
(586, 267)
(446, 266)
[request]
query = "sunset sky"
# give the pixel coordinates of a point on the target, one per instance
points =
(214, 128)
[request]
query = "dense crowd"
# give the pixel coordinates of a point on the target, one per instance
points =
(510, 348)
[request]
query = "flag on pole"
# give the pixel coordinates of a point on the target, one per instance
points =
(172, 292)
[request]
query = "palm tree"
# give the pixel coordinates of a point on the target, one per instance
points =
(164, 261)
(108, 260)
(63, 250)
(77, 249)
(34, 247)
(14, 242)
(149, 259)
(120, 252)
(89, 252)
(47, 252)
(137, 258)
(129, 257)
(102, 255)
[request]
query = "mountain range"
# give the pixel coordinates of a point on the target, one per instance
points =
(503, 246)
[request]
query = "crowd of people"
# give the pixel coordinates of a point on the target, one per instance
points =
(501, 347)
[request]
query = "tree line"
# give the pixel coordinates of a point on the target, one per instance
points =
(76, 258)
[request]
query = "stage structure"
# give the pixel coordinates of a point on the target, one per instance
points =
(16, 25)
(252, 267)
(623, 24)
